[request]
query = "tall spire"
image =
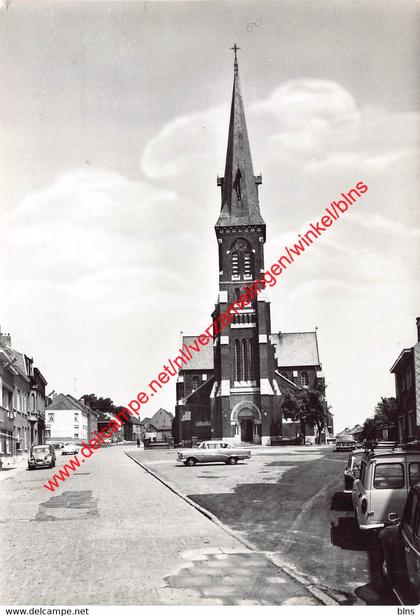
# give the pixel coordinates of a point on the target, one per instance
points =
(239, 186)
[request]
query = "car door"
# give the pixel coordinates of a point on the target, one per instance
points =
(411, 541)
(389, 488)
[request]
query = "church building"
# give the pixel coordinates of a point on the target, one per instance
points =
(233, 389)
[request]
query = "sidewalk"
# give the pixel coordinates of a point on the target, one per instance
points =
(10, 469)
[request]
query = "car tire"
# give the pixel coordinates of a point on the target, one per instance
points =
(190, 462)
(233, 460)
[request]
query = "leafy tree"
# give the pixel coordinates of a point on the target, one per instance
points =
(386, 416)
(105, 405)
(306, 405)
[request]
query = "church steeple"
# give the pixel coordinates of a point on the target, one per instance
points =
(239, 185)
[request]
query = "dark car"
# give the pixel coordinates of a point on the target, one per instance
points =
(41, 456)
(401, 546)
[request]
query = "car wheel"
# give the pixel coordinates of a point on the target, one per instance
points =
(233, 460)
(191, 462)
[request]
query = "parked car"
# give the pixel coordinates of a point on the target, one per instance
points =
(41, 456)
(352, 470)
(401, 548)
(347, 443)
(56, 444)
(382, 487)
(213, 451)
(69, 449)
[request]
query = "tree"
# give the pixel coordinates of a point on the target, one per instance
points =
(306, 405)
(105, 405)
(386, 416)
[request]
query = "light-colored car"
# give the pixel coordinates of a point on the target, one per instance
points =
(69, 449)
(41, 456)
(213, 451)
(382, 487)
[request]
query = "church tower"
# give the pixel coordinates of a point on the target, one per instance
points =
(245, 397)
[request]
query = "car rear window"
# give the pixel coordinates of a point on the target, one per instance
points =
(388, 476)
(414, 473)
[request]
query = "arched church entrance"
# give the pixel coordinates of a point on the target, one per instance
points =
(246, 418)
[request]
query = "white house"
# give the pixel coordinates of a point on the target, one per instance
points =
(66, 419)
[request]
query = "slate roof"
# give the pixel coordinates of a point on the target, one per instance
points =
(202, 360)
(239, 189)
(295, 349)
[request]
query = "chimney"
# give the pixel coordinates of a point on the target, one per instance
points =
(418, 328)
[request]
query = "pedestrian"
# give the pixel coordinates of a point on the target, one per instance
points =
(138, 441)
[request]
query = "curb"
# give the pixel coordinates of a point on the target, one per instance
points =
(313, 590)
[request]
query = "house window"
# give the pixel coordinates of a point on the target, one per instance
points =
(76, 435)
(237, 293)
(195, 382)
(50, 417)
(304, 381)
(285, 375)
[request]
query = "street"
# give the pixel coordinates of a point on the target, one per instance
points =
(289, 501)
(112, 534)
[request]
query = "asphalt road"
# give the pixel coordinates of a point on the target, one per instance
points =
(288, 501)
(114, 535)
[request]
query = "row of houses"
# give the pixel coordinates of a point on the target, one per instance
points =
(22, 404)
(28, 416)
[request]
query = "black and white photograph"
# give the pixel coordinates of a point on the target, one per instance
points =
(209, 266)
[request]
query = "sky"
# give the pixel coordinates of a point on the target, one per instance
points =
(114, 119)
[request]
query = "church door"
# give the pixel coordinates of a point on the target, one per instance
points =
(247, 430)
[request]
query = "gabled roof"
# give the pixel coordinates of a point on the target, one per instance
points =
(64, 402)
(203, 360)
(295, 349)
(161, 420)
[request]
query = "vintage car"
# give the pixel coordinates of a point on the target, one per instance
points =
(352, 470)
(381, 489)
(401, 548)
(213, 451)
(41, 456)
(69, 449)
(345, 443)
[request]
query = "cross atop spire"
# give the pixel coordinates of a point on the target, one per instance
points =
(235, 49)
(239, 185)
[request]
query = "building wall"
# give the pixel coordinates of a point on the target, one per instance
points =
(66, 424)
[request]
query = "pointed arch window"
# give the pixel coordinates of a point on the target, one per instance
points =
(245, 358)
(237, 361)
(304, 381)
(251, 361)
(195, 382)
